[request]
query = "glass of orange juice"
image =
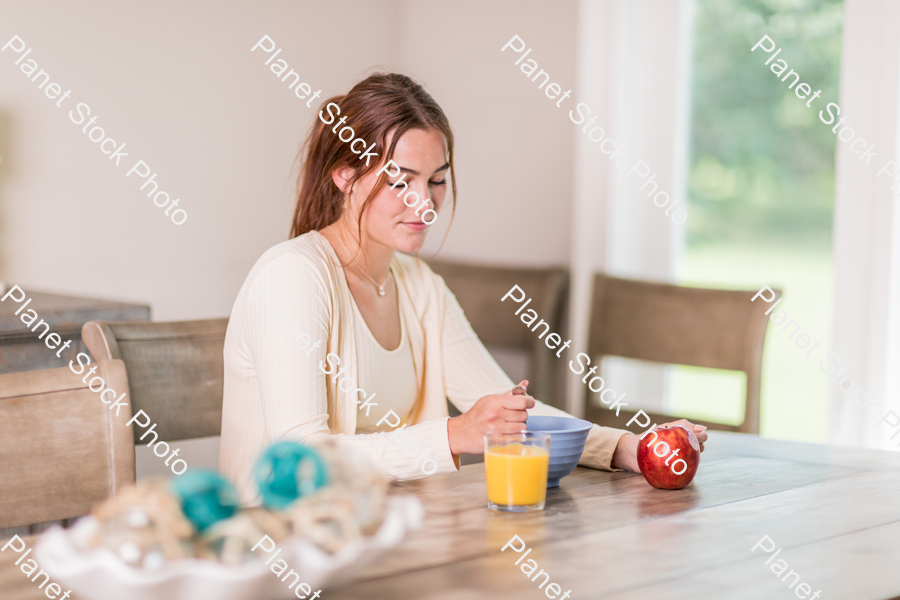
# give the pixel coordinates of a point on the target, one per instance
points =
(515, 466)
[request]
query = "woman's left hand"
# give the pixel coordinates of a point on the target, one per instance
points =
(625, 456)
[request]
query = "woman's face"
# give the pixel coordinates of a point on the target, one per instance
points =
(420, 156)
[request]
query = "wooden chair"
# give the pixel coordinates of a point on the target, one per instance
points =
(61, 449)
(175, 371)
(719, 329)
(479, 290)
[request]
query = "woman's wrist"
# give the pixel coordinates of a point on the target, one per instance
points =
(625, 455)
(453, 435)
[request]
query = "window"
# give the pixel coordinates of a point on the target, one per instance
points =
(761, 197)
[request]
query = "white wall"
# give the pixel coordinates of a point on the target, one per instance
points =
(514, 146)
(177, 82)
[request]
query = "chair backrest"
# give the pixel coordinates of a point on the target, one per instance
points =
(719, 329)
(175, 370)
(479, 290)
(61, 449)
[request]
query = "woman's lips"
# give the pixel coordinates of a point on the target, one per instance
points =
(416, 225)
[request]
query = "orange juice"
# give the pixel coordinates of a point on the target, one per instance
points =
(516, 474)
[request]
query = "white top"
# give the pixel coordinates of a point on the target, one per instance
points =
(295, 311)
(389, 374)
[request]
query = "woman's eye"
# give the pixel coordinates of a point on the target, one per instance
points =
(441, 182)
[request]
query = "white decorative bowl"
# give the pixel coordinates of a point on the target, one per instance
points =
(101, 575)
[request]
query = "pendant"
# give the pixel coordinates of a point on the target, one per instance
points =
(381, 290)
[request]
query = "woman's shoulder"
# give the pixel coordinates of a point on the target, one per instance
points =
(304, 249)
(308, 246)
(291, 282)
(294, 264)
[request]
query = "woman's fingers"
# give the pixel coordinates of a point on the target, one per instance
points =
(504, 413)
(514, 416)
(685, 423)
(512, 427)
(506, 427)
(699, 430)
(521, 388)
(517, 402)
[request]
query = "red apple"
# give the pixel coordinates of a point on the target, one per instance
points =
(675, 444)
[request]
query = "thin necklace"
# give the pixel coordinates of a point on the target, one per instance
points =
(381, 291)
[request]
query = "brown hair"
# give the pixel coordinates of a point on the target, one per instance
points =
(377, 105)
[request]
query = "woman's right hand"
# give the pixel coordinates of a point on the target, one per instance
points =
(503, 413)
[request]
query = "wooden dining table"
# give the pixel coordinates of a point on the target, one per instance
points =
(832, 515)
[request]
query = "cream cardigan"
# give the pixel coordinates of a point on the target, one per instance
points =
(295, 296)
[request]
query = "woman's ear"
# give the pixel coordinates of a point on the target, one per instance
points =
(341, 177)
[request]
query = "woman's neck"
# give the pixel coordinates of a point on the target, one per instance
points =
(364, 256)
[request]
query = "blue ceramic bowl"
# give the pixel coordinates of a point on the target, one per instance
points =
(567, 437)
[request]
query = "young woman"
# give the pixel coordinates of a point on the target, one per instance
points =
(342, 331)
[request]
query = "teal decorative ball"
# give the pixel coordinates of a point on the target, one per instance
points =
(206, 497)
(288, 471)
